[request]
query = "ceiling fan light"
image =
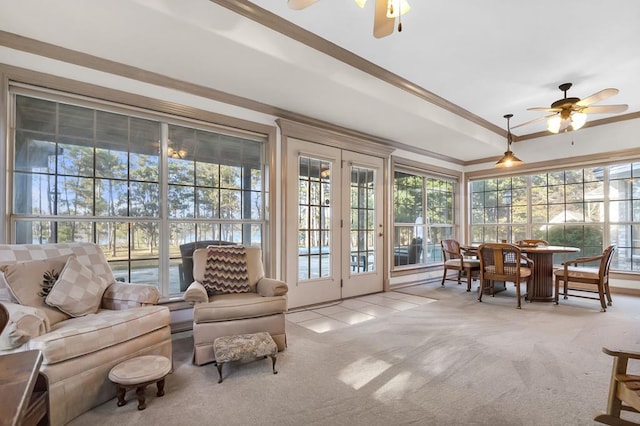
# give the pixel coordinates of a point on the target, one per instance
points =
(554, 123)
(578, 119)
(360, 3)
(396, 8)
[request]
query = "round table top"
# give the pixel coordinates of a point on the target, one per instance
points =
(141, 369)
(548, 249)
(532, 249)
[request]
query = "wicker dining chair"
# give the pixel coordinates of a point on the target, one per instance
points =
(582, 280)
(454, 259)
(503, 262)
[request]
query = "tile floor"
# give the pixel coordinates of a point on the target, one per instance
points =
(332, 316)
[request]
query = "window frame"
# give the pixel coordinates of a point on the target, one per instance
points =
(263, 134)
(427, 172)
(606, 222)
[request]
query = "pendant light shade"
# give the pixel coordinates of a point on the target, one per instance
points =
(508, 159)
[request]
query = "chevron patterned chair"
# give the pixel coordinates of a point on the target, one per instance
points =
(229, 300)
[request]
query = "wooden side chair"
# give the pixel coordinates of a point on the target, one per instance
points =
(503, 262)
(586, 279)
(624, 389)
(454, 259)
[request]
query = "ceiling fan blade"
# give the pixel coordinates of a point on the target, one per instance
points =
(544, 117)
(605, 109)
(300, 4)
(597, 97)
(544, 109)
(382, 26)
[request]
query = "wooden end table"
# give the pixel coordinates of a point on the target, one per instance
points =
(25, 391)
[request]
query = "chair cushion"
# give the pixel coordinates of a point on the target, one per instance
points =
(466, 263)
(78, 291)
(25, 281)
(84, 335)
(509, 270)
(579, 273)
(224, 307)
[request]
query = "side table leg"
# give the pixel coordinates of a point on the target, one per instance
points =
(121, 391)
(219, 365)
(273, 361)
(160, 386)
(141, 400)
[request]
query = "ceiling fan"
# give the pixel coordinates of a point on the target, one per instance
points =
(573, 111)
(385, 16)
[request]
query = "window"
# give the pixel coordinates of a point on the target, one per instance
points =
(314, 218)
(89, 174)
(498, 209)
(572, 207)
(423, 215)
(624, 215)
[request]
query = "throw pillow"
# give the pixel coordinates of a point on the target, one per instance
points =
(5, 294)
(25, 279)
(226, 270)
(78, 291)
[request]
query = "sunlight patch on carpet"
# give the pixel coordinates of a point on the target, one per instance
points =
(362, 371)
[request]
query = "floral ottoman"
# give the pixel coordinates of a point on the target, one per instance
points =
(241, 346)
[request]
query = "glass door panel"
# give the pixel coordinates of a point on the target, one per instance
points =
(363, 210)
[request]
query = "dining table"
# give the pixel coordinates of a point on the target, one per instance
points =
(541, 288)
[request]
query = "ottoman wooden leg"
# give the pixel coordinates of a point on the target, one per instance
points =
(219, 365)
(273, 361)
(141, 400)
(121, 391)
(160, 386)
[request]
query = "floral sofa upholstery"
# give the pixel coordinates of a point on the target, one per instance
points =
(262, 308)
(79, 348)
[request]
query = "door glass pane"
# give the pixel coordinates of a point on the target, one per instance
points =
(314, 218)
(362, 228)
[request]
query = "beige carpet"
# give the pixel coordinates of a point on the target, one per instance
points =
(452, 362)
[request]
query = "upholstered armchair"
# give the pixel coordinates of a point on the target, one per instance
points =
(220, 313)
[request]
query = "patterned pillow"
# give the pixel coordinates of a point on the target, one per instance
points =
(78, 291)
(226, 270)
(24, 281)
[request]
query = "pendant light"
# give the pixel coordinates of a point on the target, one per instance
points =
(508, 159)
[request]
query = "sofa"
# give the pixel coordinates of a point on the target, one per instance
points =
(260, 308)
(82, 320)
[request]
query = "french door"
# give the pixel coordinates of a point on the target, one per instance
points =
(334, 229)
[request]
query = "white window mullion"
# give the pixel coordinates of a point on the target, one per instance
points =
(163, 252)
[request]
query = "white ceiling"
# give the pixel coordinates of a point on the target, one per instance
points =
(488, 58)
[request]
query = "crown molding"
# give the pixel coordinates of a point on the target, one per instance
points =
(270, 20)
